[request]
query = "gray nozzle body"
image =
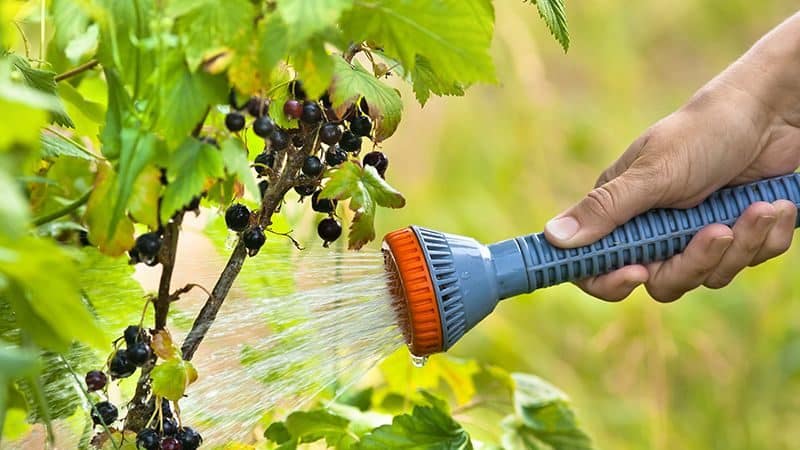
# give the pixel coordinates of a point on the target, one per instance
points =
(470, 278)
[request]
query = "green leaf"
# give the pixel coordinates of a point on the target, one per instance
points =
(546, 414)
(16, 362)
(119, 109)
(92, 110)
(350, 82)
(278, 433)
(314, 66)
(172, 377)
(43, 81)
(192, 168)
(429, 427)
(307, 17)
(273, 39)
(137, 150)
(427, 82)
(54, 146)
(312, 426)
(124, 27)
(98, 216)
(453, 35)
(279, 78)
(14, 208)
(555, 16)
(143, 205)
(236, 163)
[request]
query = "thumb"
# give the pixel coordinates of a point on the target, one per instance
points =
(603, 209)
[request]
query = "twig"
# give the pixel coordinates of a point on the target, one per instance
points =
(167, 258)
(79, 384)
(77, 70)
(288, 234)
(68, 208)
(175, 296)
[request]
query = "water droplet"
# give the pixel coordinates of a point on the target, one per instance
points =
(418, 361)
(231, 240)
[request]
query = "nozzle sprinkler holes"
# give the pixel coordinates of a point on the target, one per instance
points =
(418, 361)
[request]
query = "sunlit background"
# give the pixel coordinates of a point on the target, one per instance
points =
(716, 370)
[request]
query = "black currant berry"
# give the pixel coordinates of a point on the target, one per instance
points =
(264, 160)
(361, 126)
(169, 427)
(364, 105)
(305, 189)
(298, 140)
(263, 186)
(330, 133)
(329, 229)
(254, 239)
(139, 354)
(234, 121)
(278, 140)
(377, 160)
(148, 245)
(237, 217)
(263, 126)
(350, 142)
(148, 439)
(257, 106)
(166, 411)
(133, 335)
(120, 366)
(296, 89)
(171, 443)
(293, 109)
(189, 438)
(312, 166)
(105, 413)
(95, 380)
(323, 205)
(134, 256)
(325, 99)
(312, 113)
(335, 156)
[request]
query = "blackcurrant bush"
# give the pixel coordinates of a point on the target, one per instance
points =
(264, 160)
(298, 140)
(325, 99)
(263, 186)
(323, 205)
(361, 126)
(330, 133)
(95, 380)
(148, 439)
(312, 113)
(377, 160)
(148, 245)
(139, 354)
(312, 166)
(296, 89)
(335, 156)
(305, 189)
(133, 335)
(120, 366)
(190, 439)
(254, 239)
(263, 126)
(169, 426)
(104, 413)
(171, 443)
(234, 121)
(329, 229)
(350, 142)
(293, 109)
(237, 217)
(278, 139)
(257, 106)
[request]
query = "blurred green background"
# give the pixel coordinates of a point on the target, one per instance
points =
(717, 369)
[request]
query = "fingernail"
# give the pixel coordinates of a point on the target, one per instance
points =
(562, 228)
(720, 244)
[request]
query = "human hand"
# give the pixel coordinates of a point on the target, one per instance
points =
(742, 126)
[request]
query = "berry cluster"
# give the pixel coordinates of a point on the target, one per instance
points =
(167, 434)
(237, 218)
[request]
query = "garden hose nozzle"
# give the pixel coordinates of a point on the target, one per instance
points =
(445, 284)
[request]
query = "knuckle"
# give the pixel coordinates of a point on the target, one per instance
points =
(718, 281)
(600, 201)
(662, 295)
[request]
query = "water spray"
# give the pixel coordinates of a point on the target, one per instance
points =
(445, 284)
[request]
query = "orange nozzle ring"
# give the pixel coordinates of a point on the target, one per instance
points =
(424, 331)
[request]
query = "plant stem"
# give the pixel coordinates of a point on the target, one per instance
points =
(167, 258)
(41, 220)
(77, 70)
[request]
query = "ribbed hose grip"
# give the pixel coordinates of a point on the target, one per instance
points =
(653, 236)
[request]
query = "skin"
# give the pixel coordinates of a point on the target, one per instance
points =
(743, 125)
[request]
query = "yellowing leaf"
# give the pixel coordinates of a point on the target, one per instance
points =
(171, 378)
(98, 216)
(164, 347)
(143, 205)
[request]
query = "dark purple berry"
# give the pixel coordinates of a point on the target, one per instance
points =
(263, 186)
(298, 141)
(166, 411)
(171, 443)
(169, 427)
(254, 239)
(293, 109)
(96, 380)
(305, 189)
(148, 245)
(361, 126)
(296, 89)
(133, 334)
(257, 106)
(264, 160)
(323, 205)
(148, 439)
(190, 439)
(104, 413)
(377, 160)
(329, 229)
(350, 142)
(278, 139)
(263, 126)
(237, 217)
(335, 156)
(312, 113)
(234, 121)
(312, 166)
(139, 354)
(120, 366)
(330, 133)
